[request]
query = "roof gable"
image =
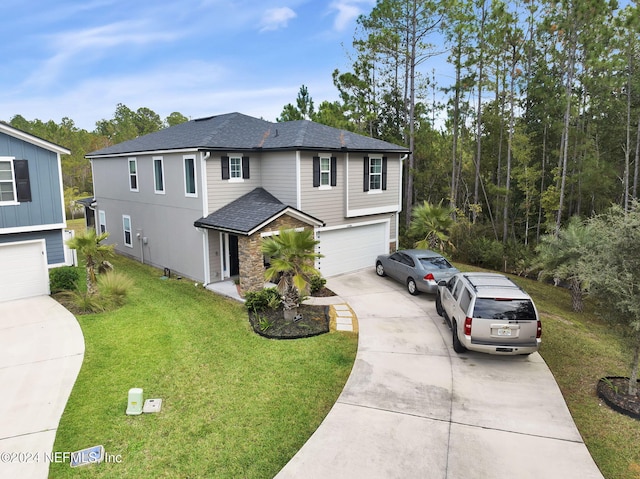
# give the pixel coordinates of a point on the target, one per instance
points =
(34, 140)
(235, 131)
(251, 212)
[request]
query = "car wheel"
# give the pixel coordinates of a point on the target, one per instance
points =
(457, 345)
(412, 287)
(380, 269)
(439, 309)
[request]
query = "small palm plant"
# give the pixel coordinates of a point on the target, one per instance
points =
(431, 223)
(94, 253)
(292, 255)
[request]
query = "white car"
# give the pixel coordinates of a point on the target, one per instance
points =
(489, 313)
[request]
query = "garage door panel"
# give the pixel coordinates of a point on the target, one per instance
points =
(23, 270)
(350, 249)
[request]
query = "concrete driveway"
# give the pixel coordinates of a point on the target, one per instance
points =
(41, 351)
(413, 408)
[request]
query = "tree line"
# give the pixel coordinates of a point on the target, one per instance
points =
(539, 122)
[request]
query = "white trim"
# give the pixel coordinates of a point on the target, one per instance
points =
(353, 225)
(10, 160)
(371, 175)
(267, 234)
(143, 152)
(9, 130)
(155, 184)
(235, 179)
(203, 183)
(61, 186)
(33, 228)
(346, 183)
(298, 185)
(124, 231)
(207, 263)
(129, 174)
(195, 175)
(289, 211)
(377, 210)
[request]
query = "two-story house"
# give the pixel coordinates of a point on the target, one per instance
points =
(32, 214)
(198, 197)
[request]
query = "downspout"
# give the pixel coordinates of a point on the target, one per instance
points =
(205, 210)
(402, 158)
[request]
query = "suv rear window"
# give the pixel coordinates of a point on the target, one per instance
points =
(510, 309)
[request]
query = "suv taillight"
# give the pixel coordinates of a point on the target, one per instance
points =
(539, 333)
(467, 326)
(429, 277)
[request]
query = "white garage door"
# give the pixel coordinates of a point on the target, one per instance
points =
(351, 249)
(23, 270)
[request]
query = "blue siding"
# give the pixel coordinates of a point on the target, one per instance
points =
(44, 176)
(53, 239)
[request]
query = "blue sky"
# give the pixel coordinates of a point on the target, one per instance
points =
(79, 58)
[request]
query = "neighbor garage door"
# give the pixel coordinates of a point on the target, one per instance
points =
(350, 249)
(23, 270)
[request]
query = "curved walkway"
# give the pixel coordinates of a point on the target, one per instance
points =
(413, 408)
(41, 352)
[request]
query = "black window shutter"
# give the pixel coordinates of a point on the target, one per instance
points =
(23, 185)
(316, 171)
(384, 172)
(245, 167)
(224, 164)
(334, 171)
(365, 184)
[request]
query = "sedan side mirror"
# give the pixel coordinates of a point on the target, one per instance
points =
(442, 283)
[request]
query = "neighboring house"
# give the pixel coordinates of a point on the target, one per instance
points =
(32, 216)
(198, 197)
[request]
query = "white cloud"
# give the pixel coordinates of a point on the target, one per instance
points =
(347, 12)
(276, 18)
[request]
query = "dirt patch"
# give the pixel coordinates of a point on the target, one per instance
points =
(613, 391)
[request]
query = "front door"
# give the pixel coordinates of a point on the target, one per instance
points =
(234, 258)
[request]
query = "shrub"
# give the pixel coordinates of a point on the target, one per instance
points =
(63, 278)
(114, 286)
(316, 283)
(263, 299)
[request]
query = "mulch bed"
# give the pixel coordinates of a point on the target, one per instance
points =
(270, 323)
(613, 391)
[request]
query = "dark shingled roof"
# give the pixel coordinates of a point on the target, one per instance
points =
(235, 131)
(244, 215)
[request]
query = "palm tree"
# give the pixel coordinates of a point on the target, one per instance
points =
(292, 256)
(559, 257)
(88, 245)
(431, 224)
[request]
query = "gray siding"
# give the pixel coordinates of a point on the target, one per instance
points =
(359, 200)
(222, 192)
(44, 176)
(165, 220)
(53, 240)
(326, 204)
(279, 176)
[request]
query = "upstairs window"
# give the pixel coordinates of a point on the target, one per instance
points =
(158, 174)
(15, 186)
(324, 171)
(133, 174)
(234, 168)
(375, 174)
(190, 176)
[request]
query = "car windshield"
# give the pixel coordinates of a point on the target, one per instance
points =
(437, 262)
(513, 309)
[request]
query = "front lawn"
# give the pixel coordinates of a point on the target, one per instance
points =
(234, 404)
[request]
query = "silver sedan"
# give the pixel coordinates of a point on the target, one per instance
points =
(419, 269)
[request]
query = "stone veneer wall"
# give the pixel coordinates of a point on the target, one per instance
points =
(251, 259)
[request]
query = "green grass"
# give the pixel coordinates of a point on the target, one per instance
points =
(234, 404)
(580, 348)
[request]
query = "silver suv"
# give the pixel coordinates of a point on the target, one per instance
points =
(488, 312)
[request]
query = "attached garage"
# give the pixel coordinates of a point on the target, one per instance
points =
(351, 248)
(23, 270)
